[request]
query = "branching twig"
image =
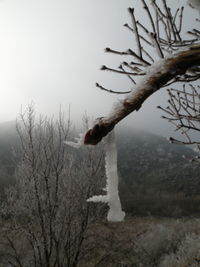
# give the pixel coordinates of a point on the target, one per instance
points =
(184, 113)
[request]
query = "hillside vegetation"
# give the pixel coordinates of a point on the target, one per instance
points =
(142, 242)
(157, 177)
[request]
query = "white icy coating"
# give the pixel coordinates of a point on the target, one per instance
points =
(143, 85)
(115, 213)
(155, 69)
(195, 4)
(79, 141)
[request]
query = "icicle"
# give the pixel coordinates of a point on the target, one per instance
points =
(115, 213)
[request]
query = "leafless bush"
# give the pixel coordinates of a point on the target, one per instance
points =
(188, 253)
(46, 214)
(165, 244)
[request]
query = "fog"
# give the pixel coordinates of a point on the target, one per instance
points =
(51, 52)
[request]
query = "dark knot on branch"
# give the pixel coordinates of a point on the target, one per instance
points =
(95, 135)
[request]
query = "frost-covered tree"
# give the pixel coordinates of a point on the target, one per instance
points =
(163, 55)
(46, 215)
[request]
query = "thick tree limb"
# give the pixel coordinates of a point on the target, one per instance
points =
(158, 75)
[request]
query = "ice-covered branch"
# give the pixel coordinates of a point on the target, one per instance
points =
(158, 75)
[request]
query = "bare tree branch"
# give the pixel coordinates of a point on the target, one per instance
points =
(158, 75)
(184, 113)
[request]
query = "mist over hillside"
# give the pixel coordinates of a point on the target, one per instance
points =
(150, 168)
(157, 177)
(8, 135)
(145, 157)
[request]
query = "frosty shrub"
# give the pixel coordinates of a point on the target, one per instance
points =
(188, 253)
(46, 215)
(165, 244)
(151, 245)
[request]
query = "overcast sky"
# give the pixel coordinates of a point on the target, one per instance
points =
(51, 52)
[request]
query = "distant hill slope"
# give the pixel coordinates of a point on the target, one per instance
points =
(155, 177)
(145, 158)
(8, 139)
(149, 166)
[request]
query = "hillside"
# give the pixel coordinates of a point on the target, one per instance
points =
(8, 139)
(155, 173)
(145, 157)
(152, 172)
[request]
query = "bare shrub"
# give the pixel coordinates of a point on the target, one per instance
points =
(163, 243)
(187, 254)
(46, 215)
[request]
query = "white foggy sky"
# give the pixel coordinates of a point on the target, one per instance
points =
(51, 52)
